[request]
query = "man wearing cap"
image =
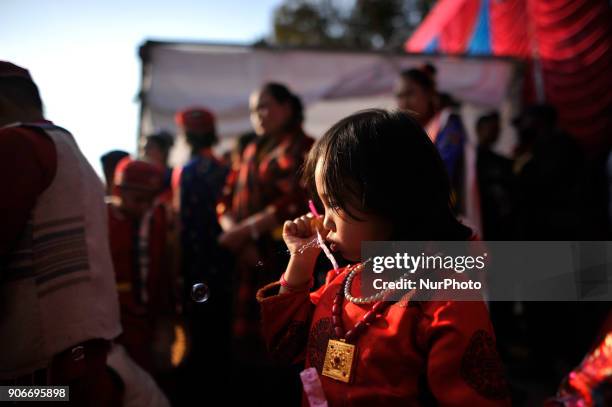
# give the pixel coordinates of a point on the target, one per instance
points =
(59, 302)
(201, 182)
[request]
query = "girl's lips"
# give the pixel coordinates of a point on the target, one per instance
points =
(333, 247)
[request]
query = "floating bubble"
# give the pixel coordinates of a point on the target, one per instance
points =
(200, 292)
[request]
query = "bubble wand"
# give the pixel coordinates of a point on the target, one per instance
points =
(320, 240)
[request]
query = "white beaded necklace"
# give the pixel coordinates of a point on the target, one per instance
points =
(364, 300)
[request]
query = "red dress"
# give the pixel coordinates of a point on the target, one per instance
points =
(420, 353)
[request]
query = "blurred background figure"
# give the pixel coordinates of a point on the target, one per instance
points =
(550, 186)
(137, 233)
(234, 158)
(549, 166)
(137, 236)
(495, 181)
(60, 310)
(156, 150)
(495, 184)
(241, 144)
(200, 183)
(109, 162)
(416, 92)
(265, 192)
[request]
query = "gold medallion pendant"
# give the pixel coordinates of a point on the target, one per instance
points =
(339, 358)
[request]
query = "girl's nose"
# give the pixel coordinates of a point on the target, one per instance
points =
(328, 223)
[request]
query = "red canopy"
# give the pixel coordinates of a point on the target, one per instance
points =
(568, 44)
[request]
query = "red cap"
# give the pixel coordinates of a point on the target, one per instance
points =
(196, 119)
(138, 174)
(8, 69)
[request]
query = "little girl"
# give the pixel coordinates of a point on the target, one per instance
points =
(379, 177)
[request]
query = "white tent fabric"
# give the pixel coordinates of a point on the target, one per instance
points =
(331, 84)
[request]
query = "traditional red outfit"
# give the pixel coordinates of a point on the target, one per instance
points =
(139, 253)
(137, 313)
(420, 353)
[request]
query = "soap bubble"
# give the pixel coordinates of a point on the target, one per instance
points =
(199, 292)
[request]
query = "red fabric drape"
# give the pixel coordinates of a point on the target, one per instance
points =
(574, 43)
(572, 40)
(451, 22)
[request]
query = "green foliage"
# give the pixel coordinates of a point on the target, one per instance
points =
(359, 24)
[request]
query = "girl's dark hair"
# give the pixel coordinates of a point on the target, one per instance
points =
(420, 77)
(282, 94)
(384, 164)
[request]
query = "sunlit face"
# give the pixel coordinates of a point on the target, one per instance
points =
(268, 116)
(135, 202)
(345, 233)
(412, 97)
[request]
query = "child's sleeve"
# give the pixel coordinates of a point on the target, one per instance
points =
(285, 320)
(463, 366)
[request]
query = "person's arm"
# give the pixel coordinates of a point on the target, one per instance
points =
(286, 316)
(463, 365)
(284, 322)
(238, 235)
(287, 309)
(27, 167)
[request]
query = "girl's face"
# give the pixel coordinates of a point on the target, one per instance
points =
(345, 233)
(268, 116)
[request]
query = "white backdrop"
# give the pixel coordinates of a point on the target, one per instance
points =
(331, 84)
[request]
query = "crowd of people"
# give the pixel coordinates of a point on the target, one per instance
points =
(155, 289)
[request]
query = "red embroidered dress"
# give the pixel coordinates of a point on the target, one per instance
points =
(420, 353)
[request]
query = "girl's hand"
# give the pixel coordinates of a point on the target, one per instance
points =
(300, 236)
